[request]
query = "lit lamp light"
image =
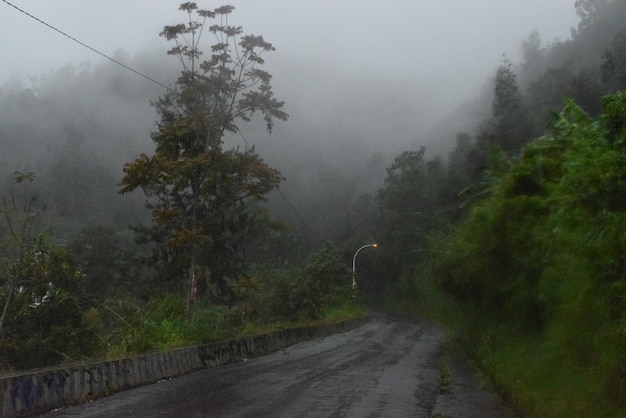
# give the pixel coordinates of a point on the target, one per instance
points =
(354, 265)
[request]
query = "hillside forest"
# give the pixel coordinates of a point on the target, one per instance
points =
(137, 217)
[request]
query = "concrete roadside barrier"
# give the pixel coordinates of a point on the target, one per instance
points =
(42, 390)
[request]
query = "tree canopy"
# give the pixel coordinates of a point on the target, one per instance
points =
(200, 192)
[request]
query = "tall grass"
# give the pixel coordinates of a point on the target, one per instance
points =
(128, 329)
(539, 374)
(263, 300)
(533, 284)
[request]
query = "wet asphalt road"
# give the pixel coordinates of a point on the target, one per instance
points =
(388, 367)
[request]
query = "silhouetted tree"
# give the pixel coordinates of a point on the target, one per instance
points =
(509, 123)
(42, 312)
(590, 12)
(613, 68)
(198, 190)
(412, 203)
(108, 267)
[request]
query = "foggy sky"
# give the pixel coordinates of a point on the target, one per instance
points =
(362, 80)
(351, 71)
(438, 41)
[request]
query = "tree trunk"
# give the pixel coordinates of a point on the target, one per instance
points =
(6, 305)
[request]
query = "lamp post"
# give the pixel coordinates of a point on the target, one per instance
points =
(354, 265)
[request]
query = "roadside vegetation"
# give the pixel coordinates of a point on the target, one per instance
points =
(267, 301)
(215, 264)
(526, 268)
(69, 323)
(531, 284)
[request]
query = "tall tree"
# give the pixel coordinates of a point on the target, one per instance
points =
(613, 68)
(509, 114)
(200, 191)
(589, 12)
(41, 319)
(410, 203)
(19, 217)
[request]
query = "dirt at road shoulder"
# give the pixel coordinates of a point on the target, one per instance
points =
(464, 394)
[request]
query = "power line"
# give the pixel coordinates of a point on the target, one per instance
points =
(291, 206)
(296, 212)
(243, 137)
(87, 46)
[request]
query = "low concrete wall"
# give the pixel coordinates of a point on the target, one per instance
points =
(43, 390)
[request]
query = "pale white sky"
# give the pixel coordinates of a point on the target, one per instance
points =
(424, 56)
(426, 37)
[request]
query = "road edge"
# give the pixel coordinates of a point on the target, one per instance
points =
(43, 390)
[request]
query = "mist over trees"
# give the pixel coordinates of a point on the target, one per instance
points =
(101, 110)
(533, 250)
(74, 127)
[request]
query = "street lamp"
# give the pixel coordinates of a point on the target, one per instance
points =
(354, 265)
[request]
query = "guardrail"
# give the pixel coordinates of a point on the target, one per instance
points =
(42, 390)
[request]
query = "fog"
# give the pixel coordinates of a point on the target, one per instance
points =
(440, 47)
(362, 37)
(362, 81)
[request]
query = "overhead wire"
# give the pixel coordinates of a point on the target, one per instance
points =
(87, 46)
(291, 206)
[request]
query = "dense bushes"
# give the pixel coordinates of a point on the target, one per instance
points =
(265, 299)
(307, 293)
(320, 289)
(544, 256)
(43, 322)
(49, 321)
(162, 323)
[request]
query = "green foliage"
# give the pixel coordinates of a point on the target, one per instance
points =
(404, 202)
(163, 323)
(444, 376)
(42, 320)
(308, 293)
(213, 323)
(325, 269)
(509, 125)
(325, 278)
(544, 257)
(343, 309)
(108, 268)
(45, 321)
(415, 207)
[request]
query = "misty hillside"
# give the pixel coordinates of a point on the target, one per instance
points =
(76, 127)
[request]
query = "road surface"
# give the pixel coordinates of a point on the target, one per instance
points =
(389, 367)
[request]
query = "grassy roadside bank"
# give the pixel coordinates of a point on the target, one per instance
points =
(534, 272)
(168, 325)
(533, 373)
